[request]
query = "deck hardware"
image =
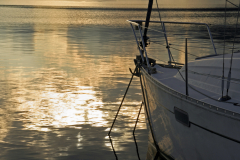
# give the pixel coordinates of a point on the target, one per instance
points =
(144, 47)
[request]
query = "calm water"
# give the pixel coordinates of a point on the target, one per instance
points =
(64, 72)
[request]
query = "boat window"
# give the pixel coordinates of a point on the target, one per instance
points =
(181, 116)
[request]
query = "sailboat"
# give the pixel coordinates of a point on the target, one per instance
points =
(192, 110)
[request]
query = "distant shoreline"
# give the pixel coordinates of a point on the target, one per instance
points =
(119, 9)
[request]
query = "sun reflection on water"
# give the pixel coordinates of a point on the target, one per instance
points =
(61, 86)
(59, 110)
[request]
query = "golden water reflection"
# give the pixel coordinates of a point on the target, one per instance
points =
(63, 109)
(61, 86)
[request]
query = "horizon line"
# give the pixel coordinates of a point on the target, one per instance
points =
(112, 8)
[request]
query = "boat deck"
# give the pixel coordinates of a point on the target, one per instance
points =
(167, 77)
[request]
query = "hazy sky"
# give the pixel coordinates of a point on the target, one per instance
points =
(119, 3)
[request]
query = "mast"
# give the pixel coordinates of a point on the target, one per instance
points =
(150, 4)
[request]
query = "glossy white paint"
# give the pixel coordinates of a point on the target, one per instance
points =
(213, 132)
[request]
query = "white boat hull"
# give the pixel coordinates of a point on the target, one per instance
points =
(211, 134)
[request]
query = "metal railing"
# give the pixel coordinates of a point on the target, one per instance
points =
(137, 24)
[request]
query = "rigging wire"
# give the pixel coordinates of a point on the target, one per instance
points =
(173, 35)
(232, 3)
(163, 29)
(235, 104)
(225, 21)
(159, 13)
(235, 81)
(165, 34)
(192, 87)
(176, 49)
(230, 69)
